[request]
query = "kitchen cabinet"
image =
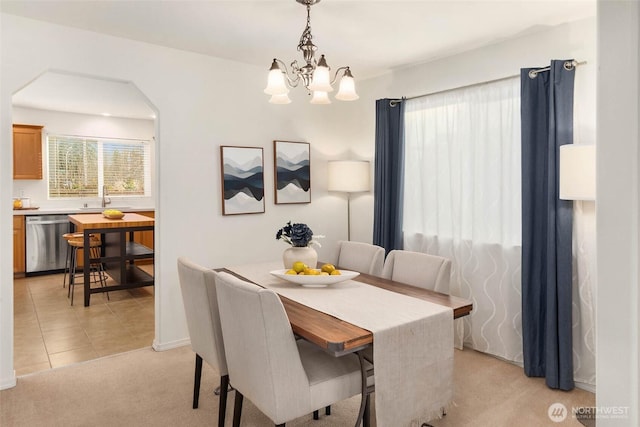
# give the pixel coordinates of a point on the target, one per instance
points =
(27, 152)
(19, 265)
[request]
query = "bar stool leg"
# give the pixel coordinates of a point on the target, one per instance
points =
(99, 269)
(72, 273)
(66, 267)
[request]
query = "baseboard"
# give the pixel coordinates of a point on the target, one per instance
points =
(8, 382)
(170, 345)
(586, 387)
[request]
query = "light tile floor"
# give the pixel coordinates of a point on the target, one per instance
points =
(49, 332)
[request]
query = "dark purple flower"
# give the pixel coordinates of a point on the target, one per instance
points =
(295, 234)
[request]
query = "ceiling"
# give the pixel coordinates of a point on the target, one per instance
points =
(372, 37)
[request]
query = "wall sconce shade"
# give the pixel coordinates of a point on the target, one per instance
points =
(349, 176)
(577, 172)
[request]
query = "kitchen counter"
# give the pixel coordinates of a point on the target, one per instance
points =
(118, 252)
(72, 211)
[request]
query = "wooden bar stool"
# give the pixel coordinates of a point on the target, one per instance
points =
(67, 263)
(95, 267)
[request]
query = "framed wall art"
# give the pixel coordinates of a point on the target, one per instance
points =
(292, 174)
(242, 180)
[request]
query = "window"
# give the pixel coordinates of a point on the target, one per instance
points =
(81, 166)
(462, 164)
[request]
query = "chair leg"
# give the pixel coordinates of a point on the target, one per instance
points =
(315, 415)
(366, 420)
(280, 425)
(327, 410)
(222, 407)
(237, 409)
(196, 381)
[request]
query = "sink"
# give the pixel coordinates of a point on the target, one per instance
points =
(94, 209)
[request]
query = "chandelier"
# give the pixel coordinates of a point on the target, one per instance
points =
(314, 75)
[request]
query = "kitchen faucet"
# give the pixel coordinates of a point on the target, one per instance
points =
(105, 200)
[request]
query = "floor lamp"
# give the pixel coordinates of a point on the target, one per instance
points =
(349, 176)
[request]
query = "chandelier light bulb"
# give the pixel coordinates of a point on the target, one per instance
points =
(275, 81)
(320, 97)
(347, 90)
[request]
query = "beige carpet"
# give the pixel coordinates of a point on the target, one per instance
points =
(148, 388)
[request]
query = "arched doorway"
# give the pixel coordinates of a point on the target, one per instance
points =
(48, 331)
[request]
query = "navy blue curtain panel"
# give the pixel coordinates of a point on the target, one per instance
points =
(547, 123)
(389, 174)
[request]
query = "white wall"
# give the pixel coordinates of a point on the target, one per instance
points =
(59, 123)
(202, 103)
(618, 190)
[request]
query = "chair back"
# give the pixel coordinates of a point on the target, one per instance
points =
(261, 349)
(197, 285)
(362, 257)
(418, 269)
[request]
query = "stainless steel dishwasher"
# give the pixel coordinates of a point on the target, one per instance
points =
(46, 248)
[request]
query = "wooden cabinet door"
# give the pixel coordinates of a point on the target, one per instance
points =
(27, 152)
(19, 255)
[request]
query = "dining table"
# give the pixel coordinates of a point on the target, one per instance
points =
(411, 327)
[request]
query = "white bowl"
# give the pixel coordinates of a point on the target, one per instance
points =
(315, 281)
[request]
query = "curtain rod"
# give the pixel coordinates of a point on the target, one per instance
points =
(568, 65)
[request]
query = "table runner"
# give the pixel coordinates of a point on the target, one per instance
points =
(413, 349)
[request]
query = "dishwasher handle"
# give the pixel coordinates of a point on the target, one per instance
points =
(59, 221)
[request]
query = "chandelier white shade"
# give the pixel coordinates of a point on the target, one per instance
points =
(320, 97)
(314, 75)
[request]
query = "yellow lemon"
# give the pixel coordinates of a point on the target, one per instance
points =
(335, 273)
(299, 266)
(291, 272)
(328, 268)
(324, 273)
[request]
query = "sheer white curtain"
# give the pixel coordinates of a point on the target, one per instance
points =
(462, 201)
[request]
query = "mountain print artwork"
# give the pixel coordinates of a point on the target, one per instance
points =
(292, 172)
(242, 180)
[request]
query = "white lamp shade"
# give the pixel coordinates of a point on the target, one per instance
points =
(320, 97)
(321, 80)
(349, 176)
(577, 172)
(280, 99)
(275, 83)
(347, 90)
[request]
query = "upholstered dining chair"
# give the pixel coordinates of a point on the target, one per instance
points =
(418, 269)
(361, 257)
(283, 377)
(423, 271)
(198, 288)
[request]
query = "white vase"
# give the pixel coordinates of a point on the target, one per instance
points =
(306, 254)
